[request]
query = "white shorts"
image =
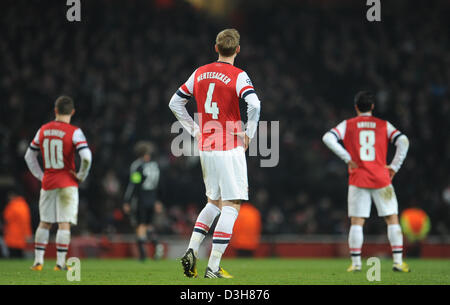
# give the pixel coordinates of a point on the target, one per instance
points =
(59, 205)
(360, 201)
(225, 174)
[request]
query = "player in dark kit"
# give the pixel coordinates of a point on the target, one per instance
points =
(141, 198)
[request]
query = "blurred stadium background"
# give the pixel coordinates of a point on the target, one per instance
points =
(307, 59)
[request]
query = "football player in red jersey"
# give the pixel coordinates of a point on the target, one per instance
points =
(218, 88)
(366, 139)
(57, 141)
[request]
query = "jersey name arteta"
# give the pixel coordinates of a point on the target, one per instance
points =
(366, 138)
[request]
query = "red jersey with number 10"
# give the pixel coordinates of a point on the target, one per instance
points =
(58, 142)
(366, 139)
(217, 88)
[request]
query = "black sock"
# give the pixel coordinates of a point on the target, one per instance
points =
(152, 237)
(141, 246)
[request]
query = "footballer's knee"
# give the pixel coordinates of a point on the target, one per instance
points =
(232, 203)
(217, 203)
(357, 221)
(141, 230)
(45, 225)
(64, 226)
(391, 219)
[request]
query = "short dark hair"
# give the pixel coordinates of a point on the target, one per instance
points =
(64, 105)
(143, 148)
(364, 101)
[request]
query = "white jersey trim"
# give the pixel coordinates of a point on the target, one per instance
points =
(243, 85)
(78, 139)
(339, 130)
(35, 143)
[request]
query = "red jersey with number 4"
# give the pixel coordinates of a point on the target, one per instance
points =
(217, 88)
(366, 139)
(58, 142)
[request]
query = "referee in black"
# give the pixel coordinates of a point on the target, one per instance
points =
(141, 198)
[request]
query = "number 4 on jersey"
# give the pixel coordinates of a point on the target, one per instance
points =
(211, 107)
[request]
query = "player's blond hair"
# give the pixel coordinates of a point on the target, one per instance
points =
(143, 148)
(227, 42)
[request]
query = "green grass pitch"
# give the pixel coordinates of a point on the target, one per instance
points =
(246, 271)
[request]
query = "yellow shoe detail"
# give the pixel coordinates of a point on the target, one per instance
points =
(403, 267)
(225, 273)
(37, 267)
(189, 263)
(59, 268)
(354, 268)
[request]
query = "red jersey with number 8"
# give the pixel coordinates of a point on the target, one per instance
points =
(58, 142)
(366, 138)
(217, 88)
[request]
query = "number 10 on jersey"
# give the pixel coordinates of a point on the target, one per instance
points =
(211, 107)
(53, 153)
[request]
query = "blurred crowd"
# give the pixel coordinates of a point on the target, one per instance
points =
(125, 59)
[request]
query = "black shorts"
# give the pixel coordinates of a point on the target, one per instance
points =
(143, 212)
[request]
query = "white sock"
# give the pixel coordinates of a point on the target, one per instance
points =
(62, 245)
(222, 236)
(396, 240)
(40, 243)
(355, 241)
(202, 225)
